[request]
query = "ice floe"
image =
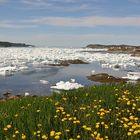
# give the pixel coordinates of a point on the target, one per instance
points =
(132, 76)
(19, 59)
(27, 94)
(7, 71)
(68, 85)
(44, 82)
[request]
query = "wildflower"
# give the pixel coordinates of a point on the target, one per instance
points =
(9, 126)
(38, 111)
(23, 136)
(58, 133)
(78, 136)
(136, 132)
(16, 115)
(39, 125)
(14, 136)
(5, 129)
(129, 133)
(67, 130)
(38, 131)
(44, 137)
(52, 133)
(34, 133)
(16, 132)
(97, 126)
(84, 126)
(88, 128)
(57, 137)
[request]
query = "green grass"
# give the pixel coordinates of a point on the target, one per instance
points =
(98, 112)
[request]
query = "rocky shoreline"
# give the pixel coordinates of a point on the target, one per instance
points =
(106, 78)
(134, 50)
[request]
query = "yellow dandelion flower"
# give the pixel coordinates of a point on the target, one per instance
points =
(129, 133)
(44, 137)
(34, 133)
(52, 133)
(84, 126)
(136, 132)
(38, 131)
(9, 126)
(97, 126)
(67, 130)
(38, 111)
(5, 129)
(57, 137)
(16, 132)
(78, 136)
(14, 136)
(23, 136)
(88, 128)
(16, 115)
(58, 133)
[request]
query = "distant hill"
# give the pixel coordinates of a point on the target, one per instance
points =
(134, 50)
(110, 46)
(9, 44)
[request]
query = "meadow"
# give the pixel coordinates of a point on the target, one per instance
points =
(106, 112)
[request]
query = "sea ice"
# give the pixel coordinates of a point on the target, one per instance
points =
(21, 58)
(44, 81)
(132, 76)
(68, 85)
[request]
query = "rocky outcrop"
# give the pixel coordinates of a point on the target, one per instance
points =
(68, 62)
(105, 78)
(134, 50)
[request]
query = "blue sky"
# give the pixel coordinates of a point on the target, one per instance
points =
(70, 23)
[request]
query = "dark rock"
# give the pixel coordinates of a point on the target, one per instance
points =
(7, 94)
(105, 78)
(68, 62)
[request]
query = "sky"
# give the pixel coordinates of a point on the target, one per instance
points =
(70, 23)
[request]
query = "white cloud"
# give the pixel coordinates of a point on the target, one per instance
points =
(87, 21)
(73, 22)
(12, 25)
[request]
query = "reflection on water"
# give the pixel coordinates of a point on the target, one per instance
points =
(29, 80)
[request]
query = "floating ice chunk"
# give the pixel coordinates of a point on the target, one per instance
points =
(27, 94)
(133, 76)
(23, 68)
(7, 71)
(105, 65)
(44, 82)
(60, 83)
(93, 72)
(67, 85)
(72, 80)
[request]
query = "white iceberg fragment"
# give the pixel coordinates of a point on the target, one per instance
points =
(44, 81)
(93, 72)
(72, 80)
(132, 76)
(27, 94)
(69, 85)
(7, 71)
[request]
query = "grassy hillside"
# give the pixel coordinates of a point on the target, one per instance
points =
(110, 112)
